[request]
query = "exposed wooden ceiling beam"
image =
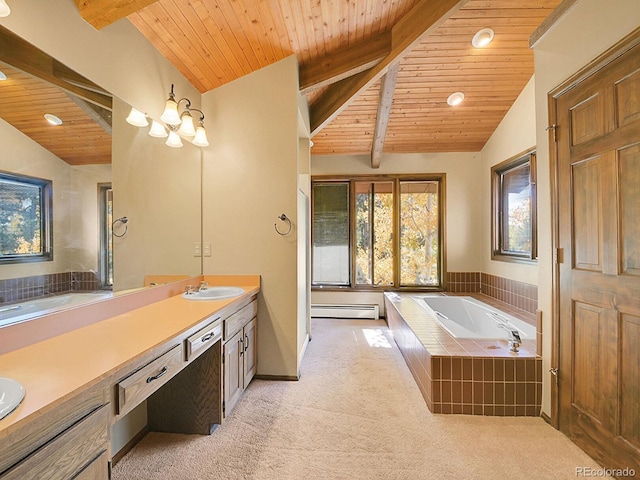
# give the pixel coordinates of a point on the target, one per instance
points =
(101, 13)
(421, 20)
(382, 117)
(22, 55)
(344, 63)
(65, 74)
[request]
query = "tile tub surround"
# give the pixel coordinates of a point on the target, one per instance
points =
(27, 288)
(465, 376)
(519, 295)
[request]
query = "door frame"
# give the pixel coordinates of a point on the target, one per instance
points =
(602, 61)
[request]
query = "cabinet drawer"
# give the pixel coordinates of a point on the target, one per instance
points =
(139, 385)
(203, 339)
(239, 319)
(67, 454)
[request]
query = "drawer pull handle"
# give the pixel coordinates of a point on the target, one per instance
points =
(207, 337)
(241, 346)
(155, 377)
(246, 342)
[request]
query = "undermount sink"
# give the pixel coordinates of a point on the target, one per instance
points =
(11, 394)
(214, 293)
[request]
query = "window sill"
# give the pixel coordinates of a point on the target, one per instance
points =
(510, 259)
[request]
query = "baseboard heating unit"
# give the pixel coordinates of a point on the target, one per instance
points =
(345, 311)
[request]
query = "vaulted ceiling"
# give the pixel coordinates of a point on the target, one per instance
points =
(376, 73)
(365, 65)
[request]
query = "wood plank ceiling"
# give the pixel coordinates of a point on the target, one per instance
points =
(36, 85)
(80, 140)
(213, 42)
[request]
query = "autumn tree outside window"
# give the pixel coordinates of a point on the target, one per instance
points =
(25, 219)
(382, 232)
(514, 209)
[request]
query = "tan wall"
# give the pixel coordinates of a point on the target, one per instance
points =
(590, 28)
(250, 177)
(515, 134)
(74, 196)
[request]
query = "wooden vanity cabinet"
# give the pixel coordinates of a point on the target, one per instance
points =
(79, 451)
(240, 354)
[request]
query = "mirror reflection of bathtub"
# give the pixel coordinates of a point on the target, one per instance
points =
(21, 312)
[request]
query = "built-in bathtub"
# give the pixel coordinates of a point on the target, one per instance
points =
(468, 317)
(461, 361)
(21, 312)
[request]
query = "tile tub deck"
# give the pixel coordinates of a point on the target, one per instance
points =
(465, 376)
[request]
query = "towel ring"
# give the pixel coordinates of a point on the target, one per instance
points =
(122, 220)
(283, 218)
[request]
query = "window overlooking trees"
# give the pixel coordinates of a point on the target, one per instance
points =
(389, 228)
(25, 219)
(514, 209)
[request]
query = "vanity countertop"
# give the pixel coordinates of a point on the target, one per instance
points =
(60, 367)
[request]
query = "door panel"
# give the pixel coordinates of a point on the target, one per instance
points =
(587, 120)
(630, 381)
(628, 95)
(598, 171)
(587, 214)
(630, 208)
(586, 361)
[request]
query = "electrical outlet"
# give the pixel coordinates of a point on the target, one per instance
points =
(197, 250)
(207, 249)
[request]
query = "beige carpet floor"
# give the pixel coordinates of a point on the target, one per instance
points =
(356, 413)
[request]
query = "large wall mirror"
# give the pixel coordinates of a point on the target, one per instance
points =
(101, 169)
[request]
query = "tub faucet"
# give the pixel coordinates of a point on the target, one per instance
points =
(514, 337)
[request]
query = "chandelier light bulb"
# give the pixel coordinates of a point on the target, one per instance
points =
(157, 130)
(200, 140)
(137, 118)
(4, 9)
(186, 127)
(174, 140)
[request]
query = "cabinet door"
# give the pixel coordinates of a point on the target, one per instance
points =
(250, 351)
(233, 371)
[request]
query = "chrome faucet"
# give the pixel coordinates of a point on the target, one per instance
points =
(190, 289)
(514, 337)
(203, 286)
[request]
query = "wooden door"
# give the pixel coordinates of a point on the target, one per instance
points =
(250, 351)
(233, 372)
(598, 208)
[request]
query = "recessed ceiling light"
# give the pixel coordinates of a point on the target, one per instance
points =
(483, 38)
(2, 76)
(455, 99)
(52, 119)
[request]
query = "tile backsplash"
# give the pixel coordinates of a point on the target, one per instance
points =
(519, 295)
(26, 288)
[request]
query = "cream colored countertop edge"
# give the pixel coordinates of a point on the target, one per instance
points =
(58, 368)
